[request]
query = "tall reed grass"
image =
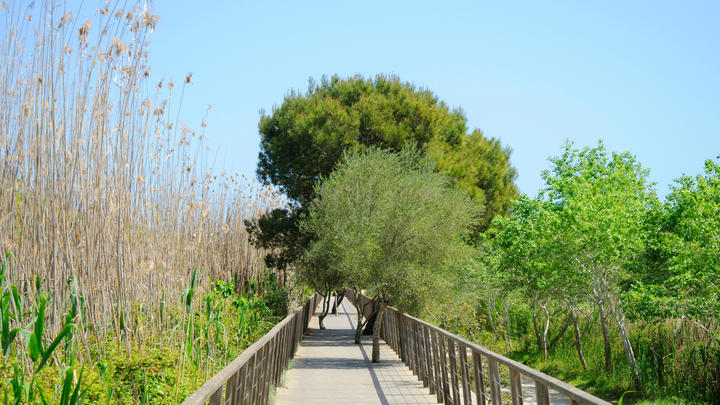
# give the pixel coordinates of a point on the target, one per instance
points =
(101, 182)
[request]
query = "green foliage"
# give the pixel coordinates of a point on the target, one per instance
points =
(677, 275)
(307, 135)
(596, 240)
(481, 168)
(601, 197)
(72, 366)
(388, 223)
(303, 140)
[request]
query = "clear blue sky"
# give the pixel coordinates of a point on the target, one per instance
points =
(642, 75)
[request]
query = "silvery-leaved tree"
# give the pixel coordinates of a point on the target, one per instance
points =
(390, 224)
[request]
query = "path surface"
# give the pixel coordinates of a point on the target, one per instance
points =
(330, 369)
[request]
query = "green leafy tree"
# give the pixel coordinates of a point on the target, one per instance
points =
(534, 260)
(602, 198)
(391, 224)
(528, 242)
(678, 274)
(304, 138)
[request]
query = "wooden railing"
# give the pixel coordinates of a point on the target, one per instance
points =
(459, 372)
(247, 380)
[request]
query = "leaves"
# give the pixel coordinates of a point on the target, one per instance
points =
(388, 223)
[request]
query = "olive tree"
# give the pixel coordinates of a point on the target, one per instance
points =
(392, 224)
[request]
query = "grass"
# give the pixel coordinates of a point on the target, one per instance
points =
(100, 371)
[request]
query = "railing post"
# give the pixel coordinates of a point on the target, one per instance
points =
(494, 377)
(479, 379)
(250, 380)
(542, 394)
(453, 371)
(464, 370)
(216, 398)
(436, 365)
(410, 345)
(240, 391)
(515, 387)
(420, 352)
(230, 388)
(429, 378)
(403, 339)
(443, 368)
(398, 335)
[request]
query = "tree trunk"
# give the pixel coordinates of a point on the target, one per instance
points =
(606, 335)
(326, 308)
(536, 329)
(376, 334)
(490, 317)
(564, 329)
(629, 353)
(545, 331)
(358, 308)
(578, 339)
(358, 329)
(507, 322)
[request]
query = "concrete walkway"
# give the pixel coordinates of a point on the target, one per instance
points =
(330, 369)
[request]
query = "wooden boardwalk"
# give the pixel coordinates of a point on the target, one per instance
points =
(330, 369)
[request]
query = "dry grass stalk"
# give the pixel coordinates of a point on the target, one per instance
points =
(100, 183)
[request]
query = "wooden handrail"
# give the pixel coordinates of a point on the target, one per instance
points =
(248, 378)
(434, 355)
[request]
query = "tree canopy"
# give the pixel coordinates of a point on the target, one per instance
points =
(678, 273)
(303, 139)
(387, 223)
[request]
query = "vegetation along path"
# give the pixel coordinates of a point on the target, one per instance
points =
(330, 369)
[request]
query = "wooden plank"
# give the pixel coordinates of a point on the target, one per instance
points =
(453, 371)
(494, 377)
(479, 378)
(464, 373)
(515, 387)
(542, 393)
